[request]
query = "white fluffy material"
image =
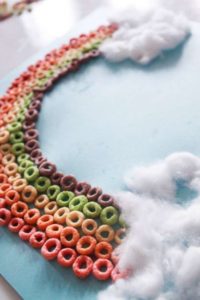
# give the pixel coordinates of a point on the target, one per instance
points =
(162, 246)
(142, 37)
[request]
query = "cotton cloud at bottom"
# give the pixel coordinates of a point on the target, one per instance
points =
(162, 246)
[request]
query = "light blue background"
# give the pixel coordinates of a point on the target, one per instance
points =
(98, 123)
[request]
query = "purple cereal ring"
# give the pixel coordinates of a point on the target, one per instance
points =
(31, 134)
(94, 193)
(56, 178)
(40, 160)
(31, 115)
(68, 182)
(31, 145)
(47, 169)
(35, 154)
(35, 104)
(82, 188)
(28, 125)
(105, 200)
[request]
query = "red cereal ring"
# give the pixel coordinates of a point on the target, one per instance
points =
(51, 248)
(44, 221)
(3, 178)
(2, 202)
(37, 239)
(82, 266)
(69, 236)
(66, 257)
(4, 188)
(103, 250)
(115, 258)
(102, 269)
(11, 196)
(15, 224)
(5, 216)
(86, 245)
(31, 216)
(54, 230)
(19, 209)
(26, 231)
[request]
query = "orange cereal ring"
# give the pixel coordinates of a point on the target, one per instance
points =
(82, 266)
(8, 158)
(12, 178)
(50, 208)
(15, 224)
(61, 214)
(31, 216)
(105, 233)
(41, 201)
(11, 196)
(4, 136)
(10, 169)
(89, 226)
(44, 221)
(86, 245)
(119, 235)
(5, 149)
(26, 231)
(5, 216)
(102, 269)
(4, 188)
(19, 184)
(19, 209)
(37, 239)
(54, 230)
(29, 194)
(66, 257)
(69, 236)
(103, 250)
(50, 244)
(75, 218)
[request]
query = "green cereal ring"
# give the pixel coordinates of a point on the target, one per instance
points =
(42, 183)
(23, 156)
(31, 173)
(92, 209)
(24, 164)
(122, 223)
(77, 203)
(53, 191)
(64, 198)
(20, 118)
(15, 126)
(109, 215)
(18, 148)
(16, 137)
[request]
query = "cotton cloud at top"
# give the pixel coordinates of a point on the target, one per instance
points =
(142, 36)
(162, 247)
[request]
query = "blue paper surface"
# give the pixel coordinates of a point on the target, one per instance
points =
(96, 124)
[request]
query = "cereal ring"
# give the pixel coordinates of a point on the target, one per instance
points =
(4, 136)
(11, 196)
(23, 156)
(15, 224)
(19, 184)
(5, 216)
(105, 233)
(12, 178)
(92, 209)
(4, 188)
(42, 183)
(31, 173)
(64, 198)
(109, 215)
(60, 215)
(69, 236)
(19, 209)
(31, 145)
(51, 248)
(53, 191)
(29, 194)
(31, 216)
(68, 182)
(77, 203)
(82, 188)
(89, 226)
(119, 235)
(122, 223)
(18, 148)
(56, 178)
(24, 164)
(10, 169)
(37, 239)
(86, 245)
(102, 269)
(105, 200)
(13, 127)
(50, 208)
(103, 250)
(3, 178)
(8, 158)
(44, 221)
(54, 230)
(41, 201)
(26, 231)
(66, 257)
(94, 193)
(16, 137)
(82, 266)
(31, 134)
(5, 149)
(75, 218)
(47, 169)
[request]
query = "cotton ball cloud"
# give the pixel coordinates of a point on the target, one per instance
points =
(142, 36)
(162, 246)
